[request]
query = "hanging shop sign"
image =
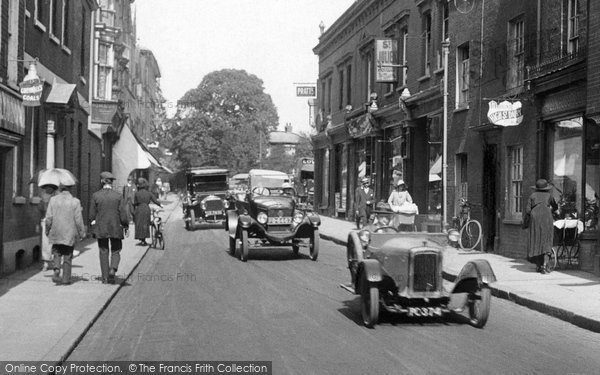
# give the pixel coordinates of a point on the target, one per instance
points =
(306, 91)
(505, 113)
(360, 126)
(12, 113)
(31, 88)
(386, 52)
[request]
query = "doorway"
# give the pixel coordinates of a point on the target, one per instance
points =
(489, 194)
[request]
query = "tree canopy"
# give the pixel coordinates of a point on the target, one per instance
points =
(224, 122)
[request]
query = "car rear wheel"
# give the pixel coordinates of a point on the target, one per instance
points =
(314, 245)
(244, 246)
(370, 304)
(479, 307)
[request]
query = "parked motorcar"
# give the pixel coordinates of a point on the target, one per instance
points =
(267, 216)
(206, 199)
(401, 272)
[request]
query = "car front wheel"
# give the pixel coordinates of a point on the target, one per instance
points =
(479, 307)
(314, 245)
(370, 304)
(244, 246)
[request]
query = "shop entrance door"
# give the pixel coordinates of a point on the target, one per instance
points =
(489, 201)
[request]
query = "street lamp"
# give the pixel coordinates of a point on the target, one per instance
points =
(446, 51)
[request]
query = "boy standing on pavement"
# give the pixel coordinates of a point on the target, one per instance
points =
(64, 226)
(109, 221)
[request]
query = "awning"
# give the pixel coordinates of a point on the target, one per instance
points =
(129, 155)
(60, 93)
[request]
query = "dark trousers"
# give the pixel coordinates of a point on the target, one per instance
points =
(66, 253)
(115, 249)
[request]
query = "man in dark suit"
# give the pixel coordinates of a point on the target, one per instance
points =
(109, 220)
(363, 203)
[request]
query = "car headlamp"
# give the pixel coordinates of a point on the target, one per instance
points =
(298, 217)
(453, 236)
(365, 237)
(262, 217)
(226, 203)
(203, 205)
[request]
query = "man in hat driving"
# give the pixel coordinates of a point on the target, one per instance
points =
(109, 220)
(363, 203)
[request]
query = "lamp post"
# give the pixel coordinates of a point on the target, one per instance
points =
(446, 51)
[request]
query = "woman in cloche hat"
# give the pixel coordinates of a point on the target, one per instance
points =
(540, 206)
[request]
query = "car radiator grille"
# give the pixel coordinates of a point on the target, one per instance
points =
(214, 205)
(279, 212)
(425, 268)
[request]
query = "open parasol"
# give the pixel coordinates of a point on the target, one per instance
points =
(56, 177)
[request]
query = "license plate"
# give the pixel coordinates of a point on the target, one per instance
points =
(424, 311)
(280, 220)
(212, 213)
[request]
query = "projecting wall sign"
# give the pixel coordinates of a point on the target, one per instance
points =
(505, 113)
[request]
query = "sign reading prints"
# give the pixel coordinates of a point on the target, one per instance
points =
(306, 91)
(505, 113)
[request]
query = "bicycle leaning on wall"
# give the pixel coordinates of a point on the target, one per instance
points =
(470, 232)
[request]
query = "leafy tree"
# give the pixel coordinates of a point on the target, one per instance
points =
(222, 122)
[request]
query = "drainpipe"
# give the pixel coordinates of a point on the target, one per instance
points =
(446, 50)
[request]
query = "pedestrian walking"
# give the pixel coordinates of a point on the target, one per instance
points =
(108, 216)
(64, 226)
(156, 189)
(363, 203)
(48, 191)
(142, 216)
(540, 207)
(128, 196)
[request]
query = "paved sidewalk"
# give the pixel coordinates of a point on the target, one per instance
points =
(42, 321)
(570, 295)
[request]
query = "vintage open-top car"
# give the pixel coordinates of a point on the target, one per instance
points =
(206, 199)
(402, 273)
(267, 216)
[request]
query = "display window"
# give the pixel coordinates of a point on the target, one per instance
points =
(575, 170)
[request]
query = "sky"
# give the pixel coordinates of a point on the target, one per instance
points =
(272, 39)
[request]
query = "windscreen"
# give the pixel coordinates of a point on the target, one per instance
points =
(209, 183)
(269, 181)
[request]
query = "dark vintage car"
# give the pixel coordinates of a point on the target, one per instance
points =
(401, 272)
(206, 199)
(267, 216)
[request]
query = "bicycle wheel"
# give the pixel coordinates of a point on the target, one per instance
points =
(160, 241)
(470, 235)
(551, 260)
(153, 235)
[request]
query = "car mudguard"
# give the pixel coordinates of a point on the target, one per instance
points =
(473, 275)
(231, 223)
(371, 268)
(354, 247)
(245, 221)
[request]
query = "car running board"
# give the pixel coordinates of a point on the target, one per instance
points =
(348, 287)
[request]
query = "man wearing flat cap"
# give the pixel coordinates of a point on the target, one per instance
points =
(109, 221)
(363, 203)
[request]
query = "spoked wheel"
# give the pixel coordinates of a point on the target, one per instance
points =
(479, 307)
(160, 241)
(551, 260)
(232, 243)
(470, 235)
(314, 245)
(244, 246)
(369, 304)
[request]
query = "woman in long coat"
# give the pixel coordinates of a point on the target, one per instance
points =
(142, 215)
(540, 205)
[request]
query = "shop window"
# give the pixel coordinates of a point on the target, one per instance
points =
(515, 203)
(434, 186)
(394, 145)
(516, 53)
(566, 169)
(325, 179)
(592, 176)
(341, 184)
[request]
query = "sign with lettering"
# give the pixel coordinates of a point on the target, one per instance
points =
(31, 88)
(505, 113)
(12, 113)
(306, 91)
(386, 53)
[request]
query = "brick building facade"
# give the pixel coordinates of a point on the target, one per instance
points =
(529, 54)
